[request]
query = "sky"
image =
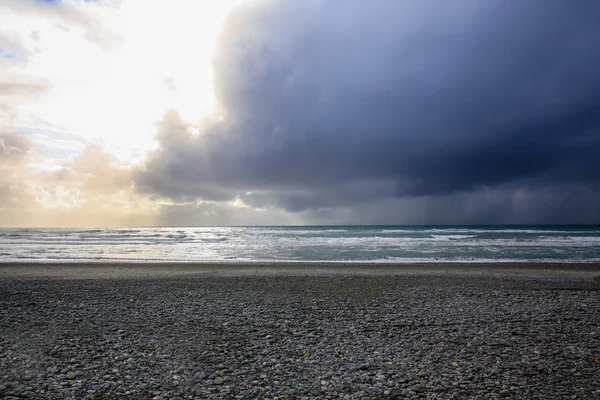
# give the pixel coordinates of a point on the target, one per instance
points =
(263, 112)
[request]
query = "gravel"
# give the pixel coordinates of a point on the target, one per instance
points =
(301, 337)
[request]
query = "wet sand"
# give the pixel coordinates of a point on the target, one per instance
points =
(117, 270)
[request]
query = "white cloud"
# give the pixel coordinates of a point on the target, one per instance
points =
(81, 86)
(105, 65)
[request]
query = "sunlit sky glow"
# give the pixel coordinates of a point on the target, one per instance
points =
(91, 80)
(111, 86)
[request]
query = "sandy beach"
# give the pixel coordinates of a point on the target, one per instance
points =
(299, 331)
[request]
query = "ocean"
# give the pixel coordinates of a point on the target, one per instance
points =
(365, 244)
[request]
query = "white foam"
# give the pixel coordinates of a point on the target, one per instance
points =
(301, 245)
(453, 237)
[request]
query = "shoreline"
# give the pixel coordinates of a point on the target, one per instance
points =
(124, 270)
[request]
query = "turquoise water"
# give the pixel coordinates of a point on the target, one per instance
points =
(305, 243)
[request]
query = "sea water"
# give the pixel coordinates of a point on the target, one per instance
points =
(395, 244)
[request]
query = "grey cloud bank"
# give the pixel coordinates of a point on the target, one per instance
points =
(398, 112)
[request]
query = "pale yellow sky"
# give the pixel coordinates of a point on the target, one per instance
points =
(82, 85)
(110, 82)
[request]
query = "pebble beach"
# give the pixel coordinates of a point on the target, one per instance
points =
(299, 332)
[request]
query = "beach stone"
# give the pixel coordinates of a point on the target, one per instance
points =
(176, 338)
(70, 375)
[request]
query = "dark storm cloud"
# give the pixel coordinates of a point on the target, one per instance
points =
(329, 106)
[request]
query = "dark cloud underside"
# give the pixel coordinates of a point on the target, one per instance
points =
(331, 107)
